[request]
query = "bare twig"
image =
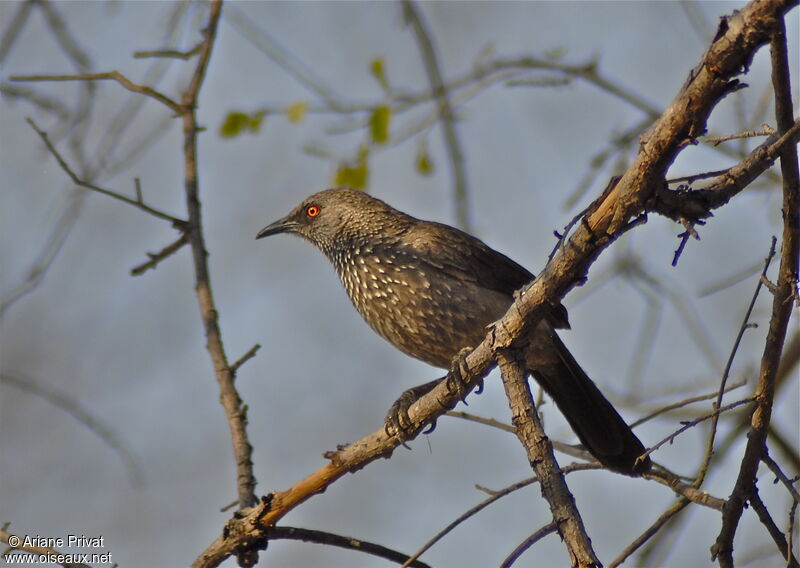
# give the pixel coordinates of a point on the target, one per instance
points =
(74, 408)
(157, 257)
(766, 130)
(69, 44)
(245, 358)
(235, 410)
(110, 75)
(686, 425)
(527, 543)
(281, 56)
(650, 531)
(169, 53)
(15, 25)
(777, 536)
(709, 452)
(178, 223)
(685, 402)
(346, 542)
(452, 142)
(37, 271)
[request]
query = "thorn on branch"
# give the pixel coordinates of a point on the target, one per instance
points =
(767, 284)
(685, 236)
(766, 130)
(244, 358)
(169, 53)
(155, 258)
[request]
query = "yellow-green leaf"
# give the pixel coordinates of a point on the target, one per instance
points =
(254, 120)
(297, 112)
(377, 68)
(353, 175)
(379, 124)
(233, 125)
(424, 163)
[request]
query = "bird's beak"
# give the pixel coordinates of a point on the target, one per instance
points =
(284, 225)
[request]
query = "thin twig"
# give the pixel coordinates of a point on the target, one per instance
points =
(709, 452)
(346, 542)
(650, 531)
(157, 257)
(451, 139)
(245, 358)
(777, 535)
(74, 408)
(110, 75)
(178, 223)
(493, 496)
(692, 423)
(766, 130)
(780, 476)
(235, 410)
(685, 402)
(527, 543)
(169, 53)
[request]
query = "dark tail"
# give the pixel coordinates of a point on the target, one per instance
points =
(593, 418)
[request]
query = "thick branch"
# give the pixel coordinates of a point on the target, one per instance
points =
(566, 516)
(737, 39)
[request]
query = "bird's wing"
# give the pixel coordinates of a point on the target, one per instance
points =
(462, 256)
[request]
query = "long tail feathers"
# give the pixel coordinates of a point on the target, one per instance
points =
(593, 418)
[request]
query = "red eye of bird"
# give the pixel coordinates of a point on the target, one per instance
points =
(312, 210)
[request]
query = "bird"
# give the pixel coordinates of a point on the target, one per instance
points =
(431, 290)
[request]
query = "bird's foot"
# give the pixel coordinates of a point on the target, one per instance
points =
(456, 384)
(397, 420)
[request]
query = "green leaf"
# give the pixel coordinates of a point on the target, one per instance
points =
(378, 70)
(254, 120)
(233, 125)
(237, 123)
(379, 124)
(424, 164)
(353, 175)
(296, 112)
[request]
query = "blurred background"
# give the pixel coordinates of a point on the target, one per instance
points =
(85, 342)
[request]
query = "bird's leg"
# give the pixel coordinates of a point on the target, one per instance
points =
(397, 419)
(455, 378)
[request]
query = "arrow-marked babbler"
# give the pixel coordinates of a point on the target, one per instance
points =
(431, 290)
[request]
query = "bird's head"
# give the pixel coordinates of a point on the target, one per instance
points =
(335, 217)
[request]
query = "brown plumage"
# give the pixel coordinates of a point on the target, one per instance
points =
(431, 290)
